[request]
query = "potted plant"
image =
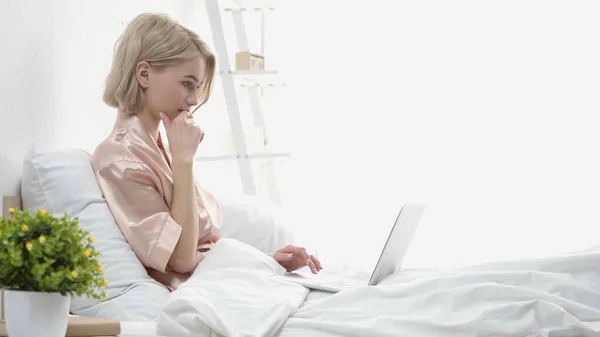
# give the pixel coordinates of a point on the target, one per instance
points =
(44, 261)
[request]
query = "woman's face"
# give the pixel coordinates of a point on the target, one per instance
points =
(173, 90)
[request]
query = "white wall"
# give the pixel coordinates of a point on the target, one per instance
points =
(485, 111)
(54, 58)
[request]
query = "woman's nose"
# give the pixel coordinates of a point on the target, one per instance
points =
(192, 100)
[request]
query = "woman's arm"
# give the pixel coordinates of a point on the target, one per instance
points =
(185, 212)
(140, 211)
(184, 138)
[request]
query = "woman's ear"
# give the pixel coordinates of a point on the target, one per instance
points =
(142, 72)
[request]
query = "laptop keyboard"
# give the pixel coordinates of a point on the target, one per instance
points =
(337, 282)
(329, 279)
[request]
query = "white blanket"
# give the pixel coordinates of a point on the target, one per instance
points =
(558, 296)
(233, 292)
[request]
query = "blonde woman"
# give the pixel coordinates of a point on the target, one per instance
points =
(162, 71)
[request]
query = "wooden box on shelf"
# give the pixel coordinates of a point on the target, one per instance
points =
(246, 60)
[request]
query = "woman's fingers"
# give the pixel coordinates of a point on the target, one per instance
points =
(316, 262)
(311, 265)
(189, 120)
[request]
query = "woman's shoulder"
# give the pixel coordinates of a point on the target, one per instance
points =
(113, 149)
(124, 148)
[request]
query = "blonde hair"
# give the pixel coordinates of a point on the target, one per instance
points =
(160, 41)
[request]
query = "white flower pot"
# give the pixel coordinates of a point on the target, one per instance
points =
(30, 313)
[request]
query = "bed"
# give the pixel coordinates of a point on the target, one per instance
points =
(236, 290)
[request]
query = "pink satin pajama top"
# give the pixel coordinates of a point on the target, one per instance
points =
(134, 174)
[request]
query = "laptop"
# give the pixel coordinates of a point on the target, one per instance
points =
(390, 260)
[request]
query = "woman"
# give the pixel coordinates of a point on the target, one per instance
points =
(161, 71)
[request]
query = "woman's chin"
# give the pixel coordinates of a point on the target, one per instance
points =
(172, 114)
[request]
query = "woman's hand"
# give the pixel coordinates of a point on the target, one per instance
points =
(184, 136)
(293, 258)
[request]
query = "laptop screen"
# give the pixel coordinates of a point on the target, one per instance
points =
(397, 243)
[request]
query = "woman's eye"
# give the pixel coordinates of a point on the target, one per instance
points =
(188, 84)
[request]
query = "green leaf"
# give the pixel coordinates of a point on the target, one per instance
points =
(48, 265)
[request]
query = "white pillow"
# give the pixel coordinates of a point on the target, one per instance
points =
(254, 221)
(63, 180)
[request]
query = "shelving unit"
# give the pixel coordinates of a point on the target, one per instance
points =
(254, 81)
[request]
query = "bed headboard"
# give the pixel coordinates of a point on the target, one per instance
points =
(9, 201)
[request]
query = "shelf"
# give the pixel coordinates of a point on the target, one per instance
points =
(249, 5)
(268, 155)
(257, 156)
(256, 78)
(249, 72)
(253, 8)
